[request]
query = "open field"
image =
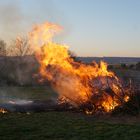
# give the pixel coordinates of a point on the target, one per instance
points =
(61, 125)
(64, 125)
(26, 92)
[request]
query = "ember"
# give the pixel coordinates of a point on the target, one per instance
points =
(90, 87)
(3, 111)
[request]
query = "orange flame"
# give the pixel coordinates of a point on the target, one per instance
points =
(78, 82)
(3, 111)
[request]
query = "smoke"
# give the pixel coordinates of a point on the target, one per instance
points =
(16, 20)
(11, 18)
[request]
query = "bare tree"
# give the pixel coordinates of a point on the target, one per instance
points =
(20, 47)
(72, 55)
(2, 48)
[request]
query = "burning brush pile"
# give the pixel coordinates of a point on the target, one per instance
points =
(88, 87)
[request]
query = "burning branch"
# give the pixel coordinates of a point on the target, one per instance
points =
(87, 86)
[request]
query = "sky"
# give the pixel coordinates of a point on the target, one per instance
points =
(90, 27)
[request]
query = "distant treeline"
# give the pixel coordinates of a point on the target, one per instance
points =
(18, 70)
(111, 60)
(23, 70)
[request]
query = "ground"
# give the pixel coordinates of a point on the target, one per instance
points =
(61, 125)
(64, 125)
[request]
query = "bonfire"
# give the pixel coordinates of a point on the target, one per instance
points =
(88, 87)
(85, 87)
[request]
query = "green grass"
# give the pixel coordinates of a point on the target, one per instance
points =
(30, 93)
(63, 125)
(59, 125)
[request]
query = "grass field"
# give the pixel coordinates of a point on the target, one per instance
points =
(64, 125)
(27, 93)
(61, 125)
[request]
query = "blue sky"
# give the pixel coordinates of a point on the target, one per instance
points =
(91, 27)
